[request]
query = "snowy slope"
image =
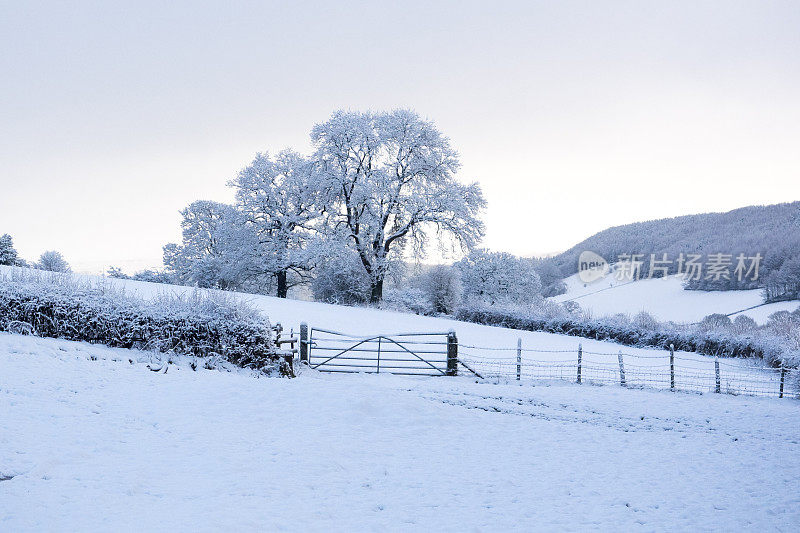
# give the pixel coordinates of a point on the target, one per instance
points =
(489, 349)
(367, 321)
(106, 445)
(665, 299)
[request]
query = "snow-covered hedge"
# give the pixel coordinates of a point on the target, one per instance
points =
(198, 325)
(631, 334)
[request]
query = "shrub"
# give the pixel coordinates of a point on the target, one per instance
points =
(773, 350)
(53, 261)
(341, 279)
(408, 300)
(442, 286)
(199, 325)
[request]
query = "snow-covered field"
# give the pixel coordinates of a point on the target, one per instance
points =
(492, 349)
(107, 445)
(665, 299)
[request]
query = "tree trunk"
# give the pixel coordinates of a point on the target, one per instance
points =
(283, 289)
(377, 291)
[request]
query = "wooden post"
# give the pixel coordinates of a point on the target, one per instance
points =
(672, 367)
(783, 378)
(304, 343)
(621, 370)
(379, 356)
(452, 354)
(519, 359)
(716, 372)
(580, 360)
(288, 359)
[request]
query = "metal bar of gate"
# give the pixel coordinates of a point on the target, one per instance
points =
(360, 346)
(417, 356)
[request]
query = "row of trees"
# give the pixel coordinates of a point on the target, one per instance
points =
(50, 260)
(377, 189)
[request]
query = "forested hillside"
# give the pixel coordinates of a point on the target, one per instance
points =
(772, 231)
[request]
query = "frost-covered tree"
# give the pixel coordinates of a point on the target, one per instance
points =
(744, 325)
(116, 272)
(442, 286)
(341, 279)
(8, 255)
(211, 252)
(784, 282)
(715, 322)
(390, 181)
(498, 278)
(53, 261)
(279, 200)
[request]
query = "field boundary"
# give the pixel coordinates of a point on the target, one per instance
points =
(665, 371)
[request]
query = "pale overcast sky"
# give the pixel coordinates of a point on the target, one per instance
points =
(574, 116)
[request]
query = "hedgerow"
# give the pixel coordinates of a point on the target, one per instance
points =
(200, 325)
(683, 338)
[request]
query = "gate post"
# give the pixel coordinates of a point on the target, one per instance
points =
(672, 367)
(783, 378)
(303, 342)
(452, 353)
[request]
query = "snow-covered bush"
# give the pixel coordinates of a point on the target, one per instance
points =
(644, 320)
(200, 324)
(117, 273)
(341, 279)
(442, 285)
(53, 261)
(743, 325)
(408, 300)
(715, 322)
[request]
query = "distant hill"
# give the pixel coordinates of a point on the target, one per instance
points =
(772, 230)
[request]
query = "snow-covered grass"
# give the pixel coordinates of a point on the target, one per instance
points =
(107, 445)
(476, 342)
(665, 299)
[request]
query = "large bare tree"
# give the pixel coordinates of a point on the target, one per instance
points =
(390, 180)
(278, 200)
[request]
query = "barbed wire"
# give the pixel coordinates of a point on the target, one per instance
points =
(674, 372)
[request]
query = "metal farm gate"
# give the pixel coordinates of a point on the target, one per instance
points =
(417, 354)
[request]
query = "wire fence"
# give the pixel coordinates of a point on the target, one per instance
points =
(660, 370)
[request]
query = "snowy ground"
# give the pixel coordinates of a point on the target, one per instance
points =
(665, 299)
(108, 445)
(491, 349)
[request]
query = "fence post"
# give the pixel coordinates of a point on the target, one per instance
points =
(304, 342)
(519, 358)
(452, 353)
(379, 357)
(621, 370)
(580, 359)
(716, 372)
(783, 378)
(672, 367)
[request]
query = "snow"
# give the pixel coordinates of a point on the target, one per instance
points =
(108, 445)
(485, 344)
(665, 299)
